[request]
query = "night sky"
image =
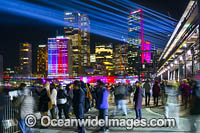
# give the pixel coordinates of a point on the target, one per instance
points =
(17, 29)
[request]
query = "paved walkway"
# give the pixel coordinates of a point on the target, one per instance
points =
(149, 113)
(183, 119)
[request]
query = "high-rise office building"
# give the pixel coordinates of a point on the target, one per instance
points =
(104, 59)
(42, 60)
(77, 29)
(135, 41)
(58, 56)
(120, 60)
(73, 32)
(133, 60)
(25, 59)
(85, 41)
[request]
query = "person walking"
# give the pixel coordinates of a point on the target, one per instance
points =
(156, 92)
(138, 100)
(103, 104)
(62, 102)
(26, 104)
(120, 98)
(147, 88)
(79, 103)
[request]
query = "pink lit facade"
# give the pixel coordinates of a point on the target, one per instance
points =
(58, 56)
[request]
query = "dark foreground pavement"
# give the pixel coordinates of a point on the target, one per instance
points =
(148, 113)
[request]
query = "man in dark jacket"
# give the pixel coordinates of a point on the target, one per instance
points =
(156, 92)
(79, 103)
(147, 88)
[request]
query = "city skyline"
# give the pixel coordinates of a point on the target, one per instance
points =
(38, 33)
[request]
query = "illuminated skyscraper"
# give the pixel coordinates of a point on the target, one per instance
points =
(104, 59)
(42, 59)
(58, 56)
(25, 59)
(72, 31)
(85, 41)
(77, 29)
(120, 59)
(135, 41)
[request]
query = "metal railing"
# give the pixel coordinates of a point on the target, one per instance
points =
(9, 124)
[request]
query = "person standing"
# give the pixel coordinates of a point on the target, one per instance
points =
(45, 98)
(97, 91)
(162, 92)
(62, 102)
(130, 90)
(79, 103)
(138, 100)
(102, 104)
(69, 91)
(156, 92)
(53, 92)
(147, 88)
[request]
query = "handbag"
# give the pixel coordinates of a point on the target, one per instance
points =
(50, 105)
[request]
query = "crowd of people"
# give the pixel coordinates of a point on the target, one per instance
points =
(79, 98)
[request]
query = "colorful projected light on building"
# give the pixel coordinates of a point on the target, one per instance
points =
(147, 54)
(58, 56)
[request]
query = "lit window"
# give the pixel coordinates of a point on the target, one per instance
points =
(26, 45)
(25, 63)
(24, 49)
